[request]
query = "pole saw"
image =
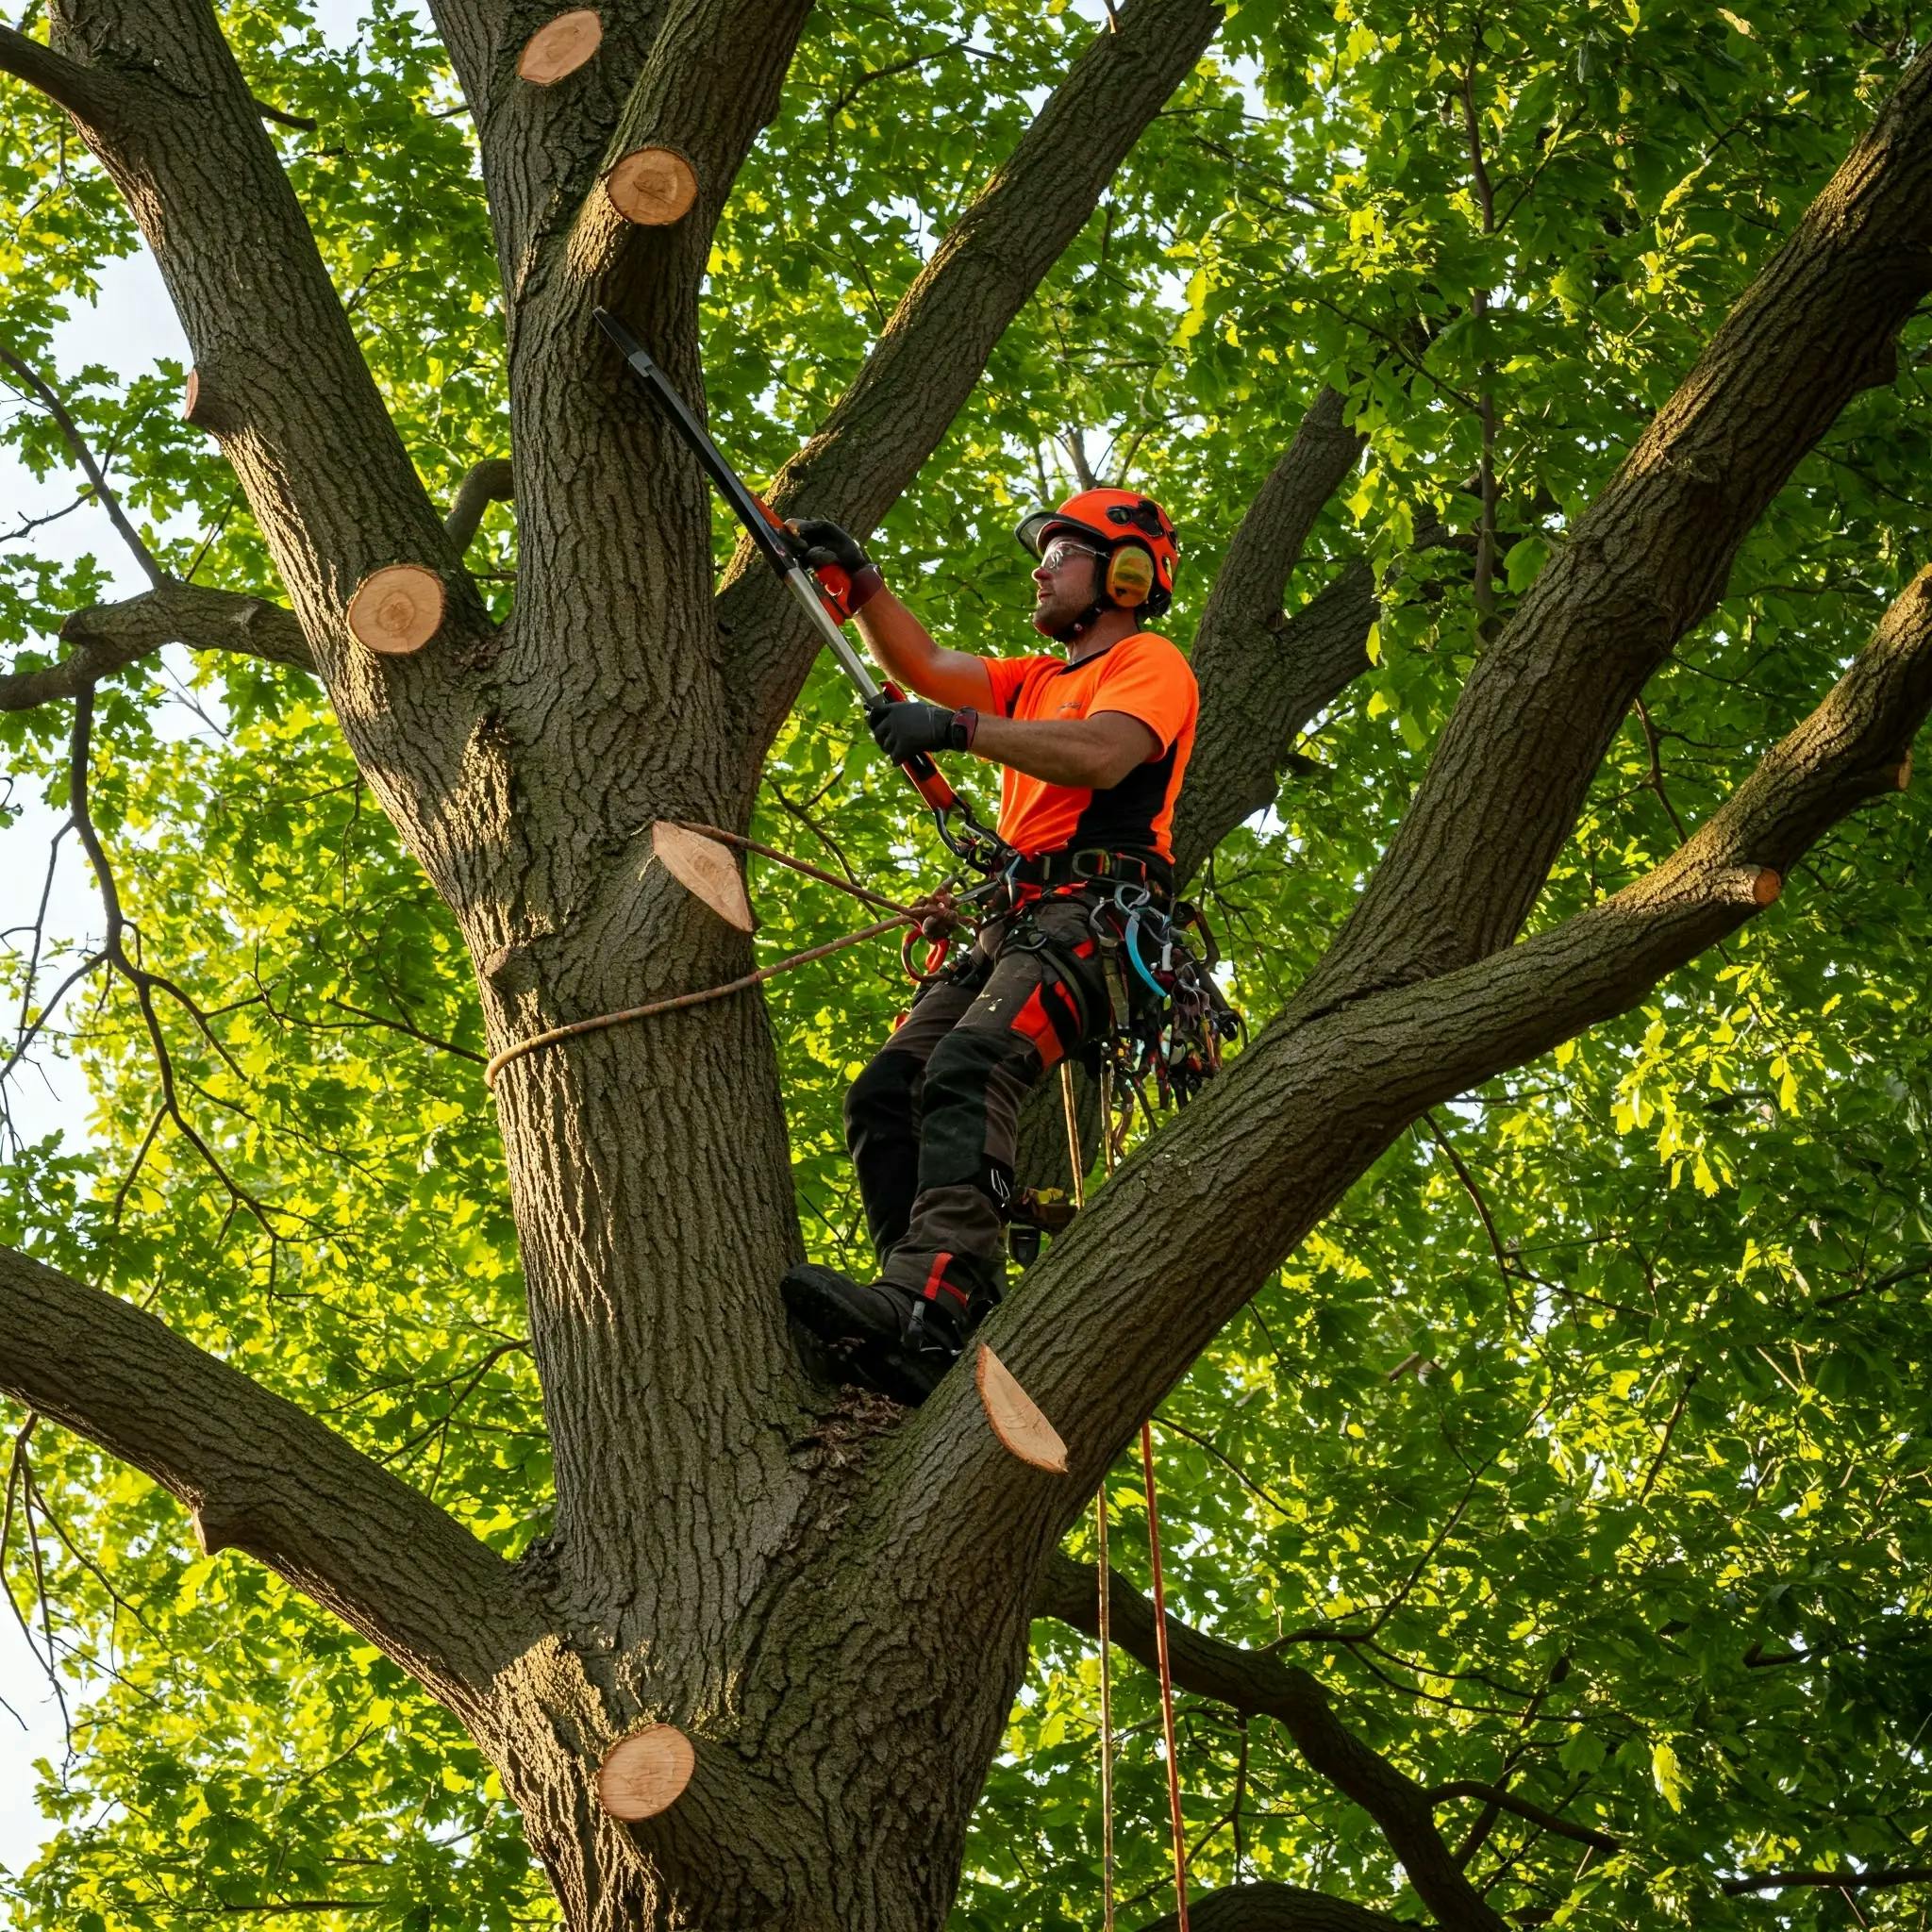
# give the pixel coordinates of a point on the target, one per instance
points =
(823, 603)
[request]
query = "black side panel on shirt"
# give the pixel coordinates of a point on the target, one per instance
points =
(1121, 819)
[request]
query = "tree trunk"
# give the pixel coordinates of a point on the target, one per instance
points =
(843, 1724)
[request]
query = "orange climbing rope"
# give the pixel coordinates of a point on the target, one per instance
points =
(1106, 1620)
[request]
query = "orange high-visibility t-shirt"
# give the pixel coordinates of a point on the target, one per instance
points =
(1146, 677)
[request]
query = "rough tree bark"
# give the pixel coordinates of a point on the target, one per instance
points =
(832, 1600)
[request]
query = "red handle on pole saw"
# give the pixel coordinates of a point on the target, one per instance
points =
(833, 583)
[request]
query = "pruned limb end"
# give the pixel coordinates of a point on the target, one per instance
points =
(706, 870)
(652, 187)
(645, 1772)
(1016, 1417)
(560, 46)
(397, 609)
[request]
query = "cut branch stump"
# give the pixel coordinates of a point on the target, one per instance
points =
(397, 609)
(1769, 883)
(706, 870)
(1015, 1417)
(560, 46)
(652, 187)
(645, 1772)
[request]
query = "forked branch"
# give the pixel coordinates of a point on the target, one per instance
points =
(1259, 1685)
(1645, 564)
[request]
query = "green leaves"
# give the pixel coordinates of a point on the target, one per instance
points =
(1582, 1451)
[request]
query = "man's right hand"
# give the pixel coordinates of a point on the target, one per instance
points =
(822, 543)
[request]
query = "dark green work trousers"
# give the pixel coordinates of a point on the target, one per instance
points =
(930, 1121)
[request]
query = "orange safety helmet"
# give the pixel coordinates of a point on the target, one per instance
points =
(1132, 530)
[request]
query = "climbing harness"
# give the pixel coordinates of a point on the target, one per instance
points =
(1105, 1625)
(824, 602)
(1167, 1020)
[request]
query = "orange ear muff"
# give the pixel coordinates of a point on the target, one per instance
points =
(1129, 576)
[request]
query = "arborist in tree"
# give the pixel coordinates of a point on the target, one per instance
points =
(1094, 747)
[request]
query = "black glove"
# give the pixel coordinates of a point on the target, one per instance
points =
(820, 543)
(904, 728)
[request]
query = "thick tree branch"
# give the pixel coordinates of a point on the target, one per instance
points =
(934, 348)
(1260, 684)
(316, 452)
(493, 480)
(83, 92)
(1268, 1906)
(109, 636)
(1196, 1223)
(261, 1475)
(1878, 1877)
(1259, 1685)
(1645, 564)
(711, 82)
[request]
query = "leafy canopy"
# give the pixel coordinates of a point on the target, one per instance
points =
(1584, 1446)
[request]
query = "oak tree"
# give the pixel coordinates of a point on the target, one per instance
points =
(1528, 1312)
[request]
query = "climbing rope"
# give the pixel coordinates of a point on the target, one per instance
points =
(933, 917)
(1163, 1661)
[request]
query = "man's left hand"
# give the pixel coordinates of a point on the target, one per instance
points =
(905, 729)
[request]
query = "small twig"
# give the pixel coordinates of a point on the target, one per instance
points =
(30, 1034)
(1867, 1881)
(1441, 1535)
(1226, 1461)
(1076, 454)
(1656, 780)
(84, 455)
(305, 122)
(1663, 1448)
(1482, 1209)
(449, 1047)
(1479, 309)
(441, 1426)
(1507, 1801)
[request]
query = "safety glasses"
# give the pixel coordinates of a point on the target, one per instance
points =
(1061, 550)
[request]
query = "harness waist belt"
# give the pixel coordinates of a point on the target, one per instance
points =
(1094, 865)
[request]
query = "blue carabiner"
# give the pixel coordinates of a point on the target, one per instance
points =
(1133, 928)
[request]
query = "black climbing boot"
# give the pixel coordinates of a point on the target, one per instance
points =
(880, 1335)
